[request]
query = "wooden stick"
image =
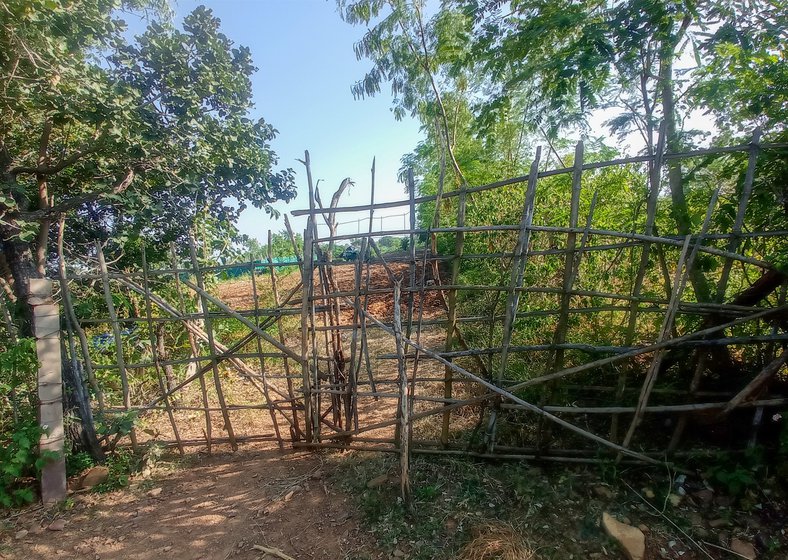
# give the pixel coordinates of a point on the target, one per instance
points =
(518, 265)
(119, 357)
(508, 395)
(655, 175)
(217, 381)
(272, 551)
(279, 327)
(404, 437)
(744, 198)
(271, 407)
(207, 432)
(679, 282)
(563, 171)
(570, 270)
(451, 300)
(154, 351)
(757, 383)
(71, 315)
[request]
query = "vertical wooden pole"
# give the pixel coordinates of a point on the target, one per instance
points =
(744, 199)
(411, 183)
(355, 357)
(519, 260)
(368, 274)
(667, 324)
(280, 330)
(655, 175)
(154, 351)
(266, 392)
(518, 265)
(306, 335)
(46, 330)
(211, 344)
(451, 323)
(71, 316)
(403, 412)
(679, 282)
(544, 432)
(121, 361)
(195, 354)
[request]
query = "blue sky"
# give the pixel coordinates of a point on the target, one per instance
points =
(304, 52)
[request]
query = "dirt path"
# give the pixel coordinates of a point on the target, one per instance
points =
(218, 507)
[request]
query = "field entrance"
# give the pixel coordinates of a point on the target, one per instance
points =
(509, 340)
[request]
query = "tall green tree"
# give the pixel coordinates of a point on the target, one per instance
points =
(129, 138)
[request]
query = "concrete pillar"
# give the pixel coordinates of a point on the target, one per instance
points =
(46, 329)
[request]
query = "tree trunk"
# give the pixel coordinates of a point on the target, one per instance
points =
(20, 259)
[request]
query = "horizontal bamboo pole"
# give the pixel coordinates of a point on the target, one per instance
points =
(550, 173)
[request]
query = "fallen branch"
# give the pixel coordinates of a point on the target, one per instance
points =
(272, 551)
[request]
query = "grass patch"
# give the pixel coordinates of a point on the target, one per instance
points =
(463, 507)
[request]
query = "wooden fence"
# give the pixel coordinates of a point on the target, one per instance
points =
(376, 353)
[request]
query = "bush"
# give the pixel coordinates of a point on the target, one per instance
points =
(20, 461)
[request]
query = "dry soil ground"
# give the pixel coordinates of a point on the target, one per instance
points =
(219, 507)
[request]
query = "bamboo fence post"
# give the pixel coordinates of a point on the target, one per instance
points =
(211, 343)
(154, 350)
(403, 441)
(744, 198)
(266, 393)
(307, 334)
(207, 432)
(280, 330)
(516, 281)
(655, 174)
(368, 272)
(559, 336)
(518, 264)
(309, 264)
(355, 358)
(412, 247)
(71, 317)
(121, 361)
(451, 322)
(679, 282)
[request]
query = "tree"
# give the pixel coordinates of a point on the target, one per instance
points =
(129, 138)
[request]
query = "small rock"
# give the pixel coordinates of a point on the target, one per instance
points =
(398, 553)
(743, 548)
(155, 493)
(57, 525)
(603, 492)
(378, 481)
(631, 539)
(289, 496)
(723, 501)
(94, 476)
(167, 548)
(19, 535)
(704, 496)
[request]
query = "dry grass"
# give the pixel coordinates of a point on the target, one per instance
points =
(496, 541)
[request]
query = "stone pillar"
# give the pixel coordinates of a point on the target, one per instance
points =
(46, 329)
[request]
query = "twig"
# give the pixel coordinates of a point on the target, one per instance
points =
(669, 520)
(728, 550)
(272, 551)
